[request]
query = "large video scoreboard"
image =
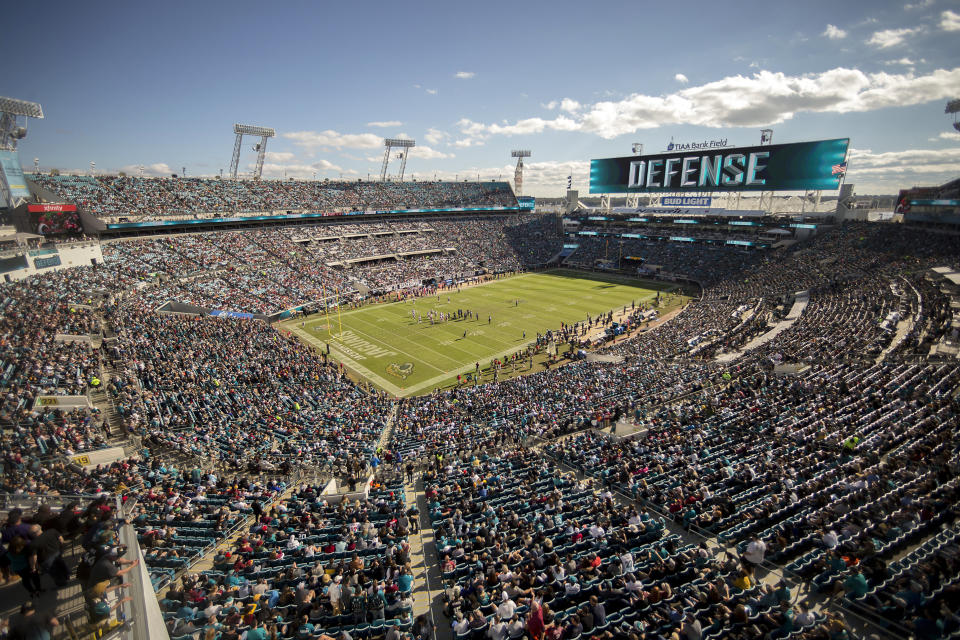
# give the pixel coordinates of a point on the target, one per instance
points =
(798, 166)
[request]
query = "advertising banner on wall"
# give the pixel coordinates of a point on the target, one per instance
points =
(797, 166)
(13, 175)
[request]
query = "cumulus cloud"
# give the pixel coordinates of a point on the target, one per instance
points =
(545, 179)
(333, 139)
(834, 33)
(432, 92)
(570, 106)
(887, 172)
(464, 75)
(322, 168)
(468, 142)
(156, 170)
(436, 136)
(384, 123)
(953, 136)
(950, 21)
(682, 79)
(907, 62)
(427, 153)
(521, 127)
(278, 156)
(553, 104)
(765, 98)
(892, 37)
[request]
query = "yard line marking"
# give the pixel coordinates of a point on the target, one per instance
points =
(416, 344)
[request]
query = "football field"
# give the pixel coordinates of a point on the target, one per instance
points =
(388, 346)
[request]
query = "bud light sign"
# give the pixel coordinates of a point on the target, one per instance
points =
(692, 201)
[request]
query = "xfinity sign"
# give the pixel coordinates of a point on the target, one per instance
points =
(783, 167)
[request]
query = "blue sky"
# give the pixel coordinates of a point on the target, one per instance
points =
(161, 84)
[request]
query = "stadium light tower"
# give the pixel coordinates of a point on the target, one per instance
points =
(261, 149)
(954, 107)
(13, 120)
(519, 154)
(396, 143)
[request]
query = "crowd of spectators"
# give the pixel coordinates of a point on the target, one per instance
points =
(142, 198)
(239, 392)
(306, 568)
(856, 466)
(275, 269)
(858, 461)
(37, 546)
(528, 551)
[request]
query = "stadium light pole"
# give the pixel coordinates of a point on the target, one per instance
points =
(396, 143)
(93, 168)
(766, 138)
(36, 165)
(13, 120)
(249, 130)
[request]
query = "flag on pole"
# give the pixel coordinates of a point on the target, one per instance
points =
(839, 169)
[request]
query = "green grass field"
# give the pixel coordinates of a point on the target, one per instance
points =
(385, 345)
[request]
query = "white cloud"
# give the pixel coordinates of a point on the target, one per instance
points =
(427, 153)
(923, 4)
(157, 169)
(682, 79)
(907, 62)
(432, 92)
(468, 142)
(436, 136)
(553, 104)
(892, 37)
(545, 179)
(464, 75)
(887, 172)
(385, 123)
(330, 138)
(278, 156)
(953, 136)
(322, 168)
(926, 165)
(834, 33)
(765, 98)
(521, 127)
(950, 21)
(570, 106)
